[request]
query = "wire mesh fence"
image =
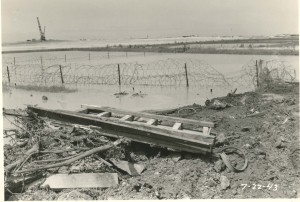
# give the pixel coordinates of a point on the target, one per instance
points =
(55, 71)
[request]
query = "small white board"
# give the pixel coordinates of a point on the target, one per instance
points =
(81, 180)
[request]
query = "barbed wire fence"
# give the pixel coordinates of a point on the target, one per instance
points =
(56, 71)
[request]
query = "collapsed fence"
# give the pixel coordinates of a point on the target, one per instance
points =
(169, 72)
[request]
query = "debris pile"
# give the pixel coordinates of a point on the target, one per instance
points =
(257, 143)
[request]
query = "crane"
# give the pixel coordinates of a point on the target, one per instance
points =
(43, 38)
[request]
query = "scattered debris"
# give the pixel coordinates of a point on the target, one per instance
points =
(81, 180)
(74, 195)
(280, 143)
(246, 129)
(218, 105)
(243, 100)
(219, 166)
(16, 184)
(166, 176)
(232, 93)
(44, 98)
(14, 112)
(131, 168)
(121, 93)
(256, 113)
(227, 162)
(211, 183)
(221, 139)
(175, 156)
(225, 183)
(140, 94)
(35, 149)
(285, 120)
(76, 158)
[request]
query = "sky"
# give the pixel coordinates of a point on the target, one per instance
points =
(122, 19)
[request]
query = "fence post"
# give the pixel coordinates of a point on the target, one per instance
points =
(61, 75)
(107, 51)
(89, 56)
(119, 75)
(257, 79)
(186, 75)
(42, 60)
(144, 53)
(65, 58)
(14, 61)
(8, 76)
(126, 53)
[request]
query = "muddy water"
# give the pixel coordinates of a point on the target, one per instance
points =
(156, 98)
(152, 97)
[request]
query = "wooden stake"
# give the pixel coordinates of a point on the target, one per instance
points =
(61, 75)
(257, 79)
(119, 74)
(186, 76)
(8, 76)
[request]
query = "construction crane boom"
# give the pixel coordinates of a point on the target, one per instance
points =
(43, 38)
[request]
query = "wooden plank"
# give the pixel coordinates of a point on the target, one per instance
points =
(127, 118)
(177, 126)
(82, 180)
(187, 134)
(177, 145)
(138, 132)
(150, 116)
(104, 114)
(206, 130)
(153, 122)
(85, 111)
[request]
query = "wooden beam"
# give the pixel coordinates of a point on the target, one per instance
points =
(158, 135)
(150, 116)
(104, 114)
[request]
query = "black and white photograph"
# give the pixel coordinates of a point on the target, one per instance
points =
(150, 99)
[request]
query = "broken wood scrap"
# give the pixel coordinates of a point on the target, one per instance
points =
(232, 93)
(257, 114)
(76, 158)
(16, 184)
(53, 160)
(14, 112)
(102, 160)
(132, 169)
(35, 149)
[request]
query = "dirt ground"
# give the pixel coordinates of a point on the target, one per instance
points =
(263, 124)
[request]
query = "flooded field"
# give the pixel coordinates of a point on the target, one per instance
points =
(157, 97)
